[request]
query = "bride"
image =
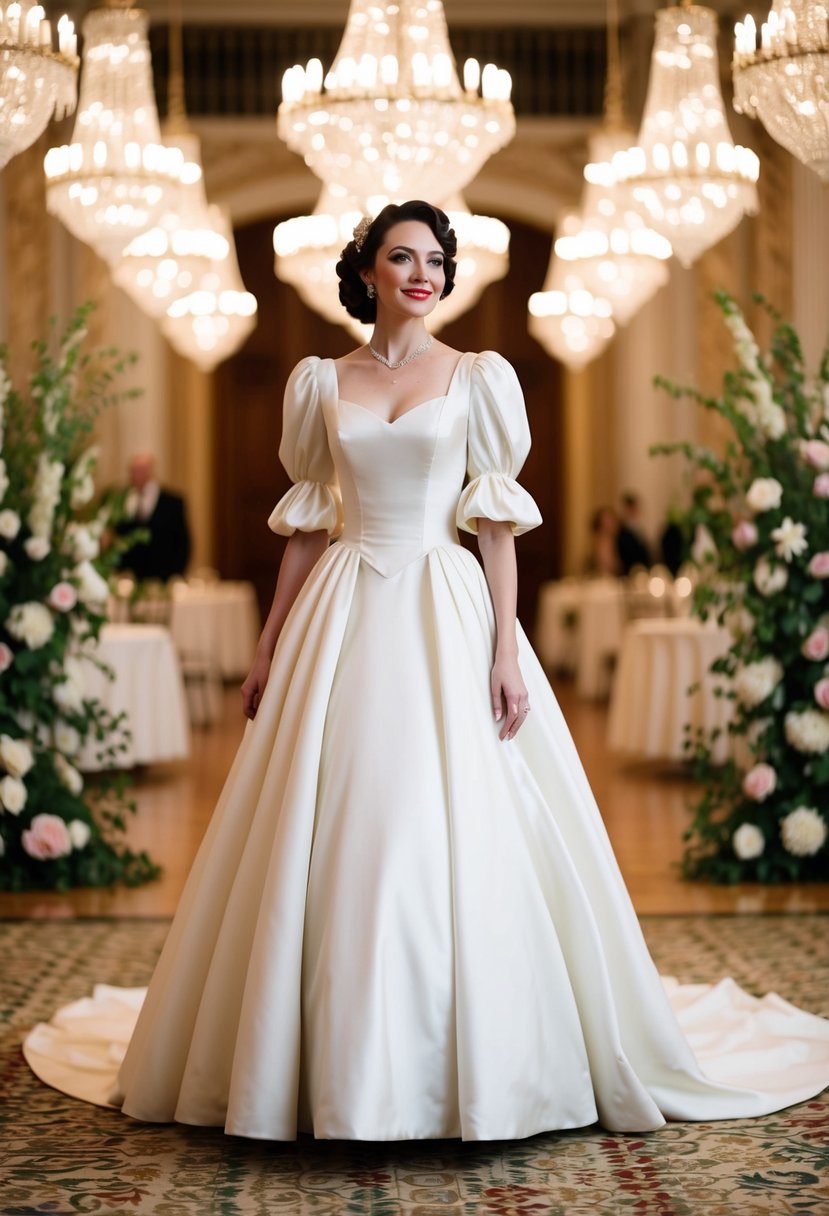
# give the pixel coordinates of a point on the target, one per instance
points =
(406, 920)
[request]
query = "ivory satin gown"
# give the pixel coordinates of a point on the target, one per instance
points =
(397, 926)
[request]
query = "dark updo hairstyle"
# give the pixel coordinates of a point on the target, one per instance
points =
(353, 294)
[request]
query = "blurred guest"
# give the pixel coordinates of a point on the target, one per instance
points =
(160, 512)
(604, 534)
(674, 543)
(631, 546)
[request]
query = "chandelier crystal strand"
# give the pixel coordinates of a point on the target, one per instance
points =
(211, 323)
(391, 116)
(686, 176)
(116, 176)
(782, 78)
(169, 259)
(35, 79)
(307, 249)
(572, 324)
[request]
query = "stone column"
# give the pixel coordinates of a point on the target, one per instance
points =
(810, 261)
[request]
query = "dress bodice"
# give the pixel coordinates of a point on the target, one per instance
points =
(393, 491)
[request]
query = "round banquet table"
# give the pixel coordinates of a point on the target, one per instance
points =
(579, 629)
(216, 622)
(650, 704)
(147, 687)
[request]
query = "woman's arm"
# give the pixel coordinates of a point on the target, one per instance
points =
(509, 693)
(302, 552)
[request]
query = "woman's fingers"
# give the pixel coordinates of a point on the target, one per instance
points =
(516, 709)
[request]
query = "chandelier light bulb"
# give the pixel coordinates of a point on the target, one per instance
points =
(211, 322)
(783, 78)
(569, 321)
(685, 174)
(35, 79)
(115, 177)
(390, 115)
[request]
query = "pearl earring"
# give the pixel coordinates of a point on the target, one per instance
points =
(371, 290)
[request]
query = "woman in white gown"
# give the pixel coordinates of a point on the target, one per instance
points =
(405, 920)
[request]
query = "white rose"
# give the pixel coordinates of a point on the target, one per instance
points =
(764, 494)
(12, 795)
(772, 420)
(68, 695)
(769, 579)
(757, 681)
(37, 547)
(31, 624)
(9, 524)
(803, 832)
(79, 833)
(67, 774)
(748, 841)
(789, 539)
(807, 730)
(15, 756)
(67, 739)
(80, 544)
(93, 590)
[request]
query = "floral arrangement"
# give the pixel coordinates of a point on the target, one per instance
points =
(56, 831)
(764, 507)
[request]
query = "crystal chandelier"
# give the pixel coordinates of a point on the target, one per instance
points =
(211, 323)
(608, 243)
(785, 81)
(168, 260)
(116, 176)
(307, 249)
(571, 323)
(390, 117)
(686, 175)
(34, 79)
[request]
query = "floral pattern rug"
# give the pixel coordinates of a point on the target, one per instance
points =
(63, 1158)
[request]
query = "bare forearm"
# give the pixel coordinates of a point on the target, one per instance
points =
(302, 552)
(497, 547)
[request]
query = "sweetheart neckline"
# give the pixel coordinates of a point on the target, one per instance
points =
(400, 417)
(405, 414)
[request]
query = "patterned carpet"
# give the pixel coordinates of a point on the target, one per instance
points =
(63, 1158)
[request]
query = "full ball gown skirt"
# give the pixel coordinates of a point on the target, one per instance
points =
(398, 926)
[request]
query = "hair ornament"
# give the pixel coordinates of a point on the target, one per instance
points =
(361, 231)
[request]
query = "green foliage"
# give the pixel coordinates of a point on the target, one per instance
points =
(766, 580)
(68, 832)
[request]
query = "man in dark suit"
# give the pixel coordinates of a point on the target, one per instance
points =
(162, 514)
(631, 545)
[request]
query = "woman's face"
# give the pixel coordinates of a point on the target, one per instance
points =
(408, 271)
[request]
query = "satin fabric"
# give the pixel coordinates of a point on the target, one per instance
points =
(398, 926)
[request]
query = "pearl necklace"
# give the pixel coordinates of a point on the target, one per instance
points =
(402, 362)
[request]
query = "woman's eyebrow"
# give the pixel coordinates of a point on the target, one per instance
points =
(408, 249)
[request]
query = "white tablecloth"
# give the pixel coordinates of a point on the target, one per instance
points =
(147, 687)
(650, 705)
(217, 621)
(579, 629)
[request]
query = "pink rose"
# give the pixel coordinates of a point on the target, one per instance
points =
(819, 565)
(822, 692)
(63, 597)
(821, 487)
(816, 453)
(759, 782)
(744, 534)
(47, 838)
(816, 646)
(6, 657)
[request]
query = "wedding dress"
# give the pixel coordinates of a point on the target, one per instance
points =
(399, 926)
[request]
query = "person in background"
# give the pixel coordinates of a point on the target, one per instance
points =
(631, 546)
(604, 542)
(160, 512)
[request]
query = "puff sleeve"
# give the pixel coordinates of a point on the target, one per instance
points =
(313, 503)
(497, 446)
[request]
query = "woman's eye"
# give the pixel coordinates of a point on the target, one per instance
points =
(437, 261)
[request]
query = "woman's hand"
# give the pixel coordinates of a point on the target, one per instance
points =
(254, 685)
(510, 701)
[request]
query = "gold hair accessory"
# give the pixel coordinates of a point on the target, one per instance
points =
(361, 231)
